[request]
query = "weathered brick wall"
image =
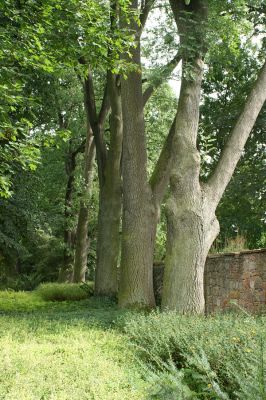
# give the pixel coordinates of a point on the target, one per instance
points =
(230, 278)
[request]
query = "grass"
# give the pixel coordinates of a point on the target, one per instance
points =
(89, 349)
(64, 351)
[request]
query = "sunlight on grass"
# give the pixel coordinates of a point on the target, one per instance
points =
(66, 357)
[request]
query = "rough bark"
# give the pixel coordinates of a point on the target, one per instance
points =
(110, 201)
(136, 284)
(82, 241)
(192, 225)
(186, 207)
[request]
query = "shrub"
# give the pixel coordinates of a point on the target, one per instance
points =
(64, 291)
(218, 357)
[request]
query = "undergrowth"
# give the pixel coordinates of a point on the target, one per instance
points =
(64, 291)
(218, 357)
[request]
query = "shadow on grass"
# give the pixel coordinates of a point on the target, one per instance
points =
(97, 312)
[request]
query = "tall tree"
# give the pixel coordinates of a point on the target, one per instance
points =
(141, 196)
(192, 224)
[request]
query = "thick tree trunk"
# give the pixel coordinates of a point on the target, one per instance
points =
(82, 241)
(108, 241)
(136, 282)
(192, 225)
(187, 225)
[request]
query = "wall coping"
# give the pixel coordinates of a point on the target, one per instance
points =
(237, 253)
(218, 255)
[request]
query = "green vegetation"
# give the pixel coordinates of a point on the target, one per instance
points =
(62, 292)
(90, 349)
(218, 357)
(63, 351)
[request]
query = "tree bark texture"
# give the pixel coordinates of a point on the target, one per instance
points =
(192, 225)
(136, 284)
(110, 196)
(82, 241)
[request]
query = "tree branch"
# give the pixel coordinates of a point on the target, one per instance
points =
(80, 148)
(90, 105)
(144, 12)
(105, 107)
(234, 147)
(161, 173)
(165, 73)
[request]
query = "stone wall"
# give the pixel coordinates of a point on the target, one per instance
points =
(230, 279)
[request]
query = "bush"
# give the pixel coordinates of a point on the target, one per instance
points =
(64, 291)
(219, 357)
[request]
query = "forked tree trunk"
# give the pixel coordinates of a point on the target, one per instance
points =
(82, 241)
(192, 225)
(110, 197)
(141, 198)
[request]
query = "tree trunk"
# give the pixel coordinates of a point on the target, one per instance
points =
(192, 225)
(66, 271)
(82, 241)
(108, 241)
(136, 280)
(191, 229)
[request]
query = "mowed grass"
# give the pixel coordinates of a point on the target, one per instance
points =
(65, 350)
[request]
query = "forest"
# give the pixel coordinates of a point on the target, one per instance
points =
(132, 132)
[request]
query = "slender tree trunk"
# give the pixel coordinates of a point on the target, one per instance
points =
(82, 241)
(66, 271)
(108, 241)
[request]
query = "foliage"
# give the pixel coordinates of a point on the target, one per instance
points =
(64, 292)
(239, 243)
(218, 357)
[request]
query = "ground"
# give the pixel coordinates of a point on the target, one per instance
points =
(64, 351)
(89, 349)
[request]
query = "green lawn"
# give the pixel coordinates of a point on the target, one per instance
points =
(89, 349)
(64, 351)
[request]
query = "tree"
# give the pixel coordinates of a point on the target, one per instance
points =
(191, 222)
(240, 211)
(141, 196)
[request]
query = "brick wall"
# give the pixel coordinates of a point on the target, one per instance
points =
(230, 278)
